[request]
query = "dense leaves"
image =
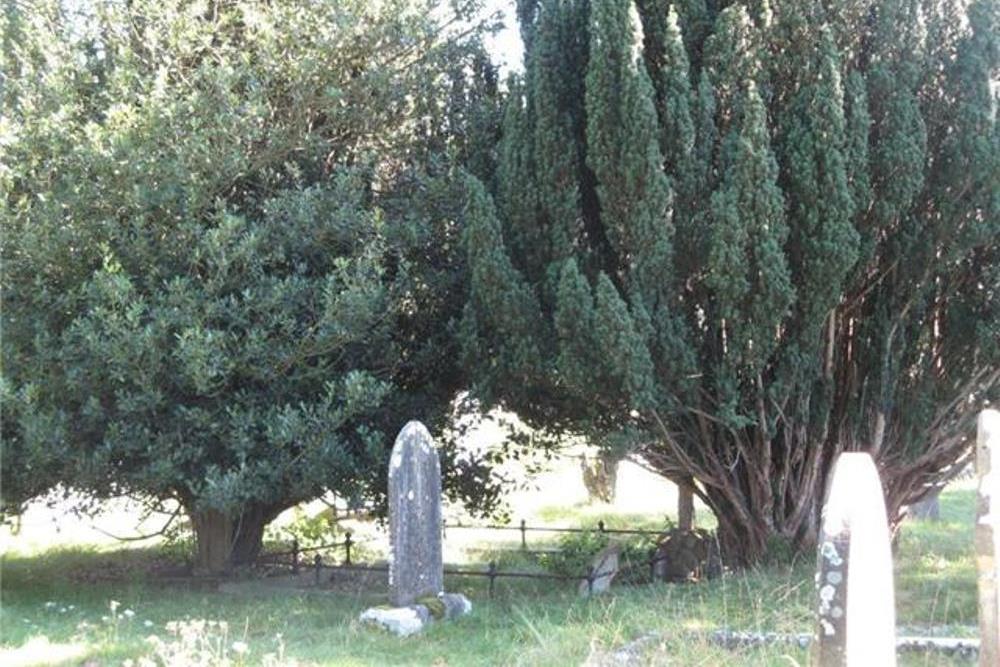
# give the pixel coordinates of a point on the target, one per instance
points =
(232, 257)
(782, 242)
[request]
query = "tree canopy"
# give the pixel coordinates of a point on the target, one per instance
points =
(232, 258)
(764, 233)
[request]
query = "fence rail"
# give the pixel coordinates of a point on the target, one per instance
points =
(295, 551)
(524, 529)
(492, 571)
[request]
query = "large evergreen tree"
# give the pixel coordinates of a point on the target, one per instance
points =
(786, 246)
(231, 256)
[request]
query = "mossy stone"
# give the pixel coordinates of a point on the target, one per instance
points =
(434, 605)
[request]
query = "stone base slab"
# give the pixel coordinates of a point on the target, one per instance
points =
(406, 621)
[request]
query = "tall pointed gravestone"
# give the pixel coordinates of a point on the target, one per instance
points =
(415, 565)
(856, 623)
(416, 570)
(987, 535)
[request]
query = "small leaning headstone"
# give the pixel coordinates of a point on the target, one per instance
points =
(927, 509)
(603, 569)
(856, 623)
(987, 535)
(415, 566)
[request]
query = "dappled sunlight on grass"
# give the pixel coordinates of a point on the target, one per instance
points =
(38, 650)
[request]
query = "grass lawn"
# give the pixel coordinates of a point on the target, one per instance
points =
(86, 607)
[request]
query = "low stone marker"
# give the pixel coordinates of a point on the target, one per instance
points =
(987, 535)
(603, 569)
(928, 509)
(856, 622)
(416, 569)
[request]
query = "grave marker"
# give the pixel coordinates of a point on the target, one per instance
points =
(415, 566)
(987, 535)
(856, 624)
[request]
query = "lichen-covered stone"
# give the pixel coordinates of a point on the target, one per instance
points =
(411, 619)
(455, 604)
(987, 535)
(400, 621)
(415, 565)
(856, 618)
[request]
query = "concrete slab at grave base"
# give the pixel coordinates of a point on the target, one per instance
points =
(406, 621)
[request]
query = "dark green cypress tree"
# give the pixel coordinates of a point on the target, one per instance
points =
(675, 102)
(553, 62)
(824, 243)
(517, 197)
(624, 154)
(835, 173)
(857, 126)
(746, 269)
(676, 110)
(500, 324)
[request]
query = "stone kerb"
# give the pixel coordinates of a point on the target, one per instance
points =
(987, 535)
(856, 622)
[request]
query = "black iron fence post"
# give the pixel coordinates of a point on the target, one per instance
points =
(492, 572)
(524, 534)
(318, 565)
(295, 556)
(347, 548)
(652, 564)
(590, 580)
(600, 526)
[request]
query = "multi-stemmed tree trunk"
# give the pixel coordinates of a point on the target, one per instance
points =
(762, 236)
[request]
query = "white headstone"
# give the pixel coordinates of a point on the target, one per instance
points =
(856, 624)
(987, 535)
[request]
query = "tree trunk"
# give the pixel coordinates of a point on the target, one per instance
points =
(600, 476)
(748, 534)
(225, 541)
(685, 504)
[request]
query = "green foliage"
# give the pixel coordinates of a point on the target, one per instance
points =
(232, 260)
(782, 243)
(576, 553)
(311, 531)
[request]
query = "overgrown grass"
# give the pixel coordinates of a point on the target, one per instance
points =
(66, 597)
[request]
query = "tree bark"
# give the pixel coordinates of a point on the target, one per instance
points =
(685, 504)
(226, 541)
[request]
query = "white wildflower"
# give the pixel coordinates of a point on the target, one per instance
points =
(240, 648)
(128, 613)
(148, 623)
(114, 605)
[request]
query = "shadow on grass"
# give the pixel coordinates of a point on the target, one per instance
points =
(103, 606)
